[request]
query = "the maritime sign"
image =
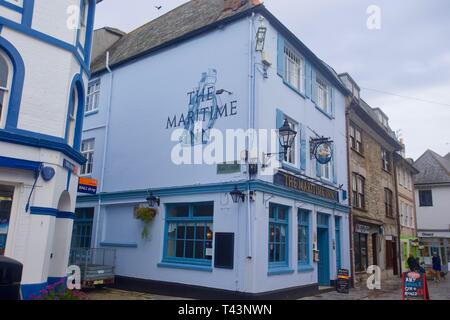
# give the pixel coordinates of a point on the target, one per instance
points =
(301, 185)
(204, 108)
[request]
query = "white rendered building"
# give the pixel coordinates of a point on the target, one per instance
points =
(44, 67)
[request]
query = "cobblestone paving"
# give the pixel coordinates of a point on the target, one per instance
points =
(390, 290)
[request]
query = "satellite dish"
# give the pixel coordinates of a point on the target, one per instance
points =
(48, 173)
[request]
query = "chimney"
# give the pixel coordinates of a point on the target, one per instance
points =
(237, 4)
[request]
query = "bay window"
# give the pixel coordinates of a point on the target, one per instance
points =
(189, 233)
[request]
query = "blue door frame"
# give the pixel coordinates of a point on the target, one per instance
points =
(323, 245)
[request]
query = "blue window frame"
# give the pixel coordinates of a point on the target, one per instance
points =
(303, 237)
(338, 242)
(189, 233)
(278, 236)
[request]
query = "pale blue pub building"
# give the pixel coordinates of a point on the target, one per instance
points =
(215, 65)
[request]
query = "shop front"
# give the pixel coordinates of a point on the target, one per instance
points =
(6, 199)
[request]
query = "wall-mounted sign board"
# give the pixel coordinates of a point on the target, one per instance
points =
(87, 186)
(224, 251)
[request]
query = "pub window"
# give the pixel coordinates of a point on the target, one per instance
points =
(294, 65)
(322, 95)
(356, 139)
(386, 160)
(278, 235)
(361, 252)
(189, 233)
(358, 186)
(303, 237)
(5, 86)
(425, 198)
(388, 202)
(290, 156)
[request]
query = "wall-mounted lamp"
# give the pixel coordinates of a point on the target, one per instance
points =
(153, 201)
(261, 39)
(222, 91)
(286, 137)
(237, 195)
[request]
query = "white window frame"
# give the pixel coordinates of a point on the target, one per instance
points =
(88, 151)
(322, 95)
(93, 97)
(6, 90)
(293, 60)
(324, 168)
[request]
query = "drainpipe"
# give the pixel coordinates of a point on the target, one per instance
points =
(250, 126)
(399, 229)
(105, 146)
(350, 195)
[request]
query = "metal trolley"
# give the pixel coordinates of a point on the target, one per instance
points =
(97, 266)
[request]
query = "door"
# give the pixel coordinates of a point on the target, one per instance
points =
(82, 228)
(338, 243)
(324, 257)
(374, 249)
(6, 198)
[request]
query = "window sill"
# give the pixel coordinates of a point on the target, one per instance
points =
(290, 167)
(358, 153)
(388, 172)
(118, 245)
(305, 268)
(329, 116)
(279, 271)
(172, 265)
(90, 113)
(294, 89)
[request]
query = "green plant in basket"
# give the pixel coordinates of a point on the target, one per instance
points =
(146, 215)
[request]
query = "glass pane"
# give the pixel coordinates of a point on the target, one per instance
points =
(271, 233)
(282, 213)
(178, 211)
(204, 210)
(189, 249)
(282, 256)
(209, 233)
(3, 72)
(171, 248)
(272, 212)
(180, 249)
(200, 232)
(282, 234)
(199, 250)
(190, 231)
(181, 232)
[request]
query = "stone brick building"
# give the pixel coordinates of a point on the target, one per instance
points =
(372, 185)
(406, 205)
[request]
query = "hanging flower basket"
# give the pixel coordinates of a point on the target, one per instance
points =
(146, 215)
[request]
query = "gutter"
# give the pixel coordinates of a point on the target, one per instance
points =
(399, 229)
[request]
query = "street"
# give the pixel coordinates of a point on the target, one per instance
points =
(390, 290)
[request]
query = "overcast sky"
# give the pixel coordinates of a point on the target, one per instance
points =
(409, 56)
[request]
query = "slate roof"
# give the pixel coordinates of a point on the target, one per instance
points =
(181, 21)
(190, 19)
(434, 169)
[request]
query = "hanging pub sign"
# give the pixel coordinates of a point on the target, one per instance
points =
(414, 286)
(88, 186)
(322, 150)
(301, 185)
(343, 281)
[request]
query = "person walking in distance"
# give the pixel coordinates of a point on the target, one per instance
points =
(436, 267)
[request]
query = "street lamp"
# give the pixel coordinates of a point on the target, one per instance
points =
(237, 195)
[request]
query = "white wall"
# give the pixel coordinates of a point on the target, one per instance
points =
(436, 217)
